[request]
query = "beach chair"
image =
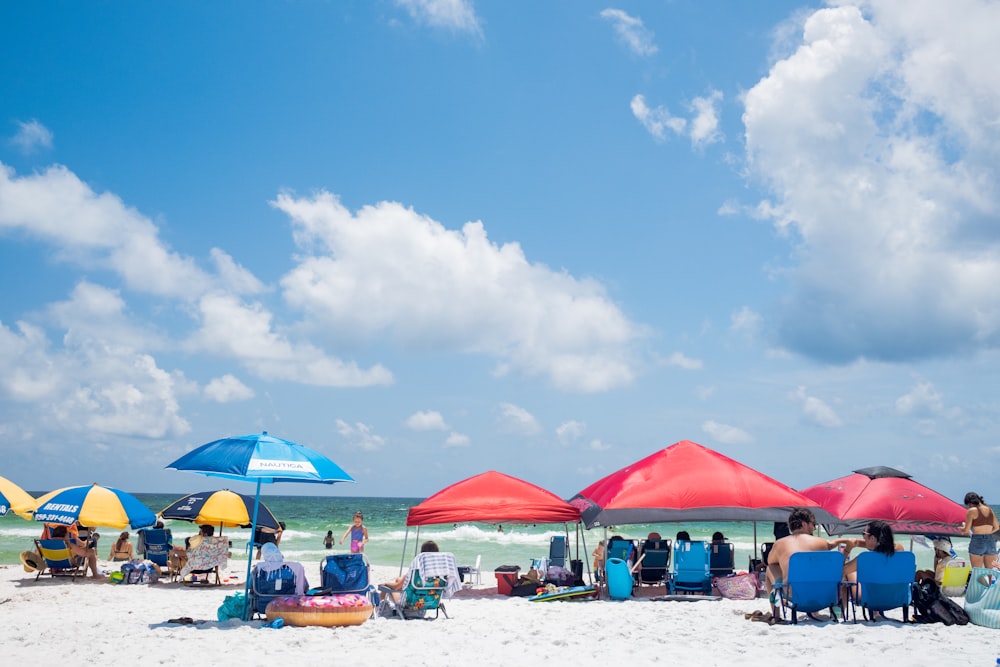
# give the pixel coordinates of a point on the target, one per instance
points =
(690, 572)
(955, 578)
(206, 559)
(884, 582)
(475, 573)
(813, 583)
(265, 586)
(154, 545)
(619, 547)
(425, 588)
(654, 559)
(721, 559)
(347, 573)
(558, 551)
(58, 559)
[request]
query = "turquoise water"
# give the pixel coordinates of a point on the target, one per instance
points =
(308, 518)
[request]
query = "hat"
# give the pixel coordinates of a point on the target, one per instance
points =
(30, 561)
(942, 544)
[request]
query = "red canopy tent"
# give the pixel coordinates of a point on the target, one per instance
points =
(492, 497)
(688, 482)
(888, 495)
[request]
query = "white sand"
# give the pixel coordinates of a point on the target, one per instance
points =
(56, 621)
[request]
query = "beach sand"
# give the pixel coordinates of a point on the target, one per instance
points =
(94, 622)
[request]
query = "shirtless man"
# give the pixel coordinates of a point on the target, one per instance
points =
(802, 523)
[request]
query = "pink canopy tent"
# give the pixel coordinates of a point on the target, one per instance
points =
(889, 495)
(688, 482)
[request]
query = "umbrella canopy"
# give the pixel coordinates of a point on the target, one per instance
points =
(688, 482)
(14, 498)
(492, 497)
(263, 459)
(889, 495)
(221, 508)
(93, 505)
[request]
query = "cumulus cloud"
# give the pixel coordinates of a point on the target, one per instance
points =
(656, 121)
(815, 409)
(878, 136)
(31, 137)
(388, 270)
(705, 123)
(925, 401)
(681, 360)
(598, 445)
(726, 434)
(702, 129)
(360, 435)
(457, 440)
(746, 321)
(94, 381)
(426, 420)
(570, 430)
(515, 419)
(245, 332)
(227, 389)
(630, 30)
(457, 15)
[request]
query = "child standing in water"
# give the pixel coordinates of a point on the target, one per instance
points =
(328, 540)
(358, 533)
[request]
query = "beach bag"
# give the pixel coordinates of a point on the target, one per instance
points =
(737, 586)
(930, 606)
(982, 597)
(232, 607)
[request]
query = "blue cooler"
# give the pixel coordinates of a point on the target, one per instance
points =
(619, 579)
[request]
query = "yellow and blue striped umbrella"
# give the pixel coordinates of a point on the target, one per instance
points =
(15, 499)
(93, 505)
(221, 508)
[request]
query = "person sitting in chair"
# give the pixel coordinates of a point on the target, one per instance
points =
(432, 567)
(273, 560)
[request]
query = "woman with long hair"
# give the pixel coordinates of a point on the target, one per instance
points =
(980, 523)
(121, 549)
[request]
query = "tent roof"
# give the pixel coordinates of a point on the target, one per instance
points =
(688, 482)
(888, 495)
(492, 497)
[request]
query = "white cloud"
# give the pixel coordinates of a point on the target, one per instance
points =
(95, 382)
(704, 392)
(244, 332)
(570, 430)
(360, 435)
(683, 361)
(227, 389)
(746, 321)
(656, 121)
(815, 410)
(879, 137)
(517, 420)
(388, 270)
(924, 400)
(458, 15)
(457, 440)
(31, 136)
(598, 445)
(630, 30)
(427, 420)
(705, 124)
(726, 434)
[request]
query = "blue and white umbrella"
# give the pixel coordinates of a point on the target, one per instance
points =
(263, 459)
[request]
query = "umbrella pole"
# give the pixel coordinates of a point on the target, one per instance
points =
(253, 530)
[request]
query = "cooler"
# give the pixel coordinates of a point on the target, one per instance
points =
(507, 576)
(619, 579)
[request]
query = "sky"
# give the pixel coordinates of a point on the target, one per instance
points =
(431, 238)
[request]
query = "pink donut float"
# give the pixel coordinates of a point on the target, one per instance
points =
(325, 610)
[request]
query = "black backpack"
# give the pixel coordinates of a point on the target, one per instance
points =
(930, 606)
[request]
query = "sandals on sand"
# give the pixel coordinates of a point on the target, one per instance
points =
(764, 617)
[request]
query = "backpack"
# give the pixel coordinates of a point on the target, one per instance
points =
(930, 606)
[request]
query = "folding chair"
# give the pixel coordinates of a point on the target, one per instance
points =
(58, 559)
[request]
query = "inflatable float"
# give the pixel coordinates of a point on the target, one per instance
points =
(325, 610)
(565, 593)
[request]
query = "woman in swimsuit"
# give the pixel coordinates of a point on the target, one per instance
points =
(121, 549)
(981, 523)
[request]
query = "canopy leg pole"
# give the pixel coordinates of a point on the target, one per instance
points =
(402, 558)
(586, 559)
(247, 611)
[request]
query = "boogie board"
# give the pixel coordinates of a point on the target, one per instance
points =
(565, 593)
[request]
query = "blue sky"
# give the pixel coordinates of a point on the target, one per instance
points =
(431, 238)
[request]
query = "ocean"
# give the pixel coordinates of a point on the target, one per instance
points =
(307, 519)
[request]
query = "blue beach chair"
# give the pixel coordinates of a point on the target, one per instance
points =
(884, 582)
(58, 559)
(813, 583)
(690, 573)
(265, 586)
(721, 559)
(654, 560)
